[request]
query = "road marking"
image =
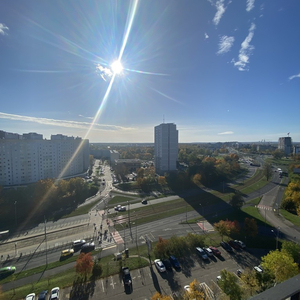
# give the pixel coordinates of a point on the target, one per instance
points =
(112, 282)
(109, 247)
(102, 285)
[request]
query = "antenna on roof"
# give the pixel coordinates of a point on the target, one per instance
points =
(288, 134)
(163, 118)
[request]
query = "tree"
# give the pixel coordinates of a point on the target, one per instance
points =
(195, 292)
(250, 227)
(84, 264)
(292, 249)
(229, 284)
(227, 227)
(161, 248)
(237, 200)
(267, 171)
(250, 281)
(278, 154)
(159, 296)
(280, 264)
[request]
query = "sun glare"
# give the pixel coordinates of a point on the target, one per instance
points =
(117, 67)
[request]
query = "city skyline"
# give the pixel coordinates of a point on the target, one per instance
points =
(220, 70)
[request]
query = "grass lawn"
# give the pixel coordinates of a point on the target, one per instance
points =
(122, 199)
(291, 217)
(81, 210)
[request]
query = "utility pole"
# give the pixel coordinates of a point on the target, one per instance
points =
(16, 213)
(46, 241)
(128, 204)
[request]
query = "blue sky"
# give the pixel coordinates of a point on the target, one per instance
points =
(221, 70)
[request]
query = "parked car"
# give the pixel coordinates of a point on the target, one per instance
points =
(78, 243)
(54, 294)
(239, 272)
(234, 245)
(30, 296)
(241, 244)
(126, 276)
(144, 201)
(202, 253)
(215, 251)
(226, 246)
(7, 270)
(87, 247)
(258, 269)
(208, 252)
(167, 264)
(43, 295)
(159, 265)
(187, 288)
(175, 263)
(67, 252)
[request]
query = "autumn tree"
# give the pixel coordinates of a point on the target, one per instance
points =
(250, 227)
(161, 247)
(251, 283)
(84, 264)
(280, 264)
(267, 171)
(195, 292)
(226, 227)
(229, 285)
(159, 296)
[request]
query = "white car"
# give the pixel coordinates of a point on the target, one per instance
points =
(208, 252)
(159, 265)
(187, 288)
(30, 296)
(258, 269)
(54, 294)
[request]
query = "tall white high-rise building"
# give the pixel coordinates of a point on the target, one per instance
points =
(165, 147)
(29, 158)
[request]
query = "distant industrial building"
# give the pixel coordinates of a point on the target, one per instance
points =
(29, 158)
(285, 144)
(165, 148)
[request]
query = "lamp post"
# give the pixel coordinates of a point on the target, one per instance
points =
(16, 213)
(46, 241)
(277, 235)
(202, 208)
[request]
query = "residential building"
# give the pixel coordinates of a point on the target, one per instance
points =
(165, 148)
(285, 144)
(29, 158)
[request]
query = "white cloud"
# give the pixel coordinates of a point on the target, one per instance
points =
(250, 5)
(294, 76)
(64, 123)
(104, 72)
(3, 29)
(225, 132)
(245, 51)
(206, 35)
(220, 10)
(225, 44)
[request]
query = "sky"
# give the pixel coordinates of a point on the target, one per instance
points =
(109, 71)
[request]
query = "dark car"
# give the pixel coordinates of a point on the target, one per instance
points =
(226, 246)
(144, 201)
(88, 247)
(43, 295)
(167, 264)
(241, 244)
(234, 245)
(215, 251)
(175, 263)
(126, 276)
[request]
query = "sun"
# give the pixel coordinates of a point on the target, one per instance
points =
(116, 67)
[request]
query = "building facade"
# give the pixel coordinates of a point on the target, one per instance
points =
(29, 158)
(285, 144)
(165, 148)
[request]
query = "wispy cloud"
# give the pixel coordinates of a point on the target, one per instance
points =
(225, 44)
(220, 6)
(206, 36)
(250, 5)
(104, 72)
(245, 51)
(63, 123)
(294, 76)
(3, 29)
(225, 132)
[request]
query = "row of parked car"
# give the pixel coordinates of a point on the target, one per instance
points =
(167, 264)
(233, 244)
(54, 295)
(81, 245)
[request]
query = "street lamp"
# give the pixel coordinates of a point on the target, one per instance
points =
(16, 213)
(277, 235)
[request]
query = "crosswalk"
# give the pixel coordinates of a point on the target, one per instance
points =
(265, 207)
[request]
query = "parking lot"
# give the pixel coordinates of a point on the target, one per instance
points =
(146, 281)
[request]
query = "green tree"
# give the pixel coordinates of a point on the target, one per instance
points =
(237, 200)
(267, 171)
(292, 249)
(278, 154)
(280, 264)
(251, 283)
(229, 285)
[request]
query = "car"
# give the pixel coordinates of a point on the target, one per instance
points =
(159, 265)
(258, 269)
(234, 245)
(226, 246)
(126, 276)
(43, 295)
(202, 253)
(7, 270)
(219, 278)
(239, 272)
(78, 243)
(215, 251)
(167, 264)
(241, 244)
(67, 252)
(187, 288)
(120, 208)
(175, 263)
(54, 294)
(30, 296)
(87, 247)
(144, 201)
(208, 252)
